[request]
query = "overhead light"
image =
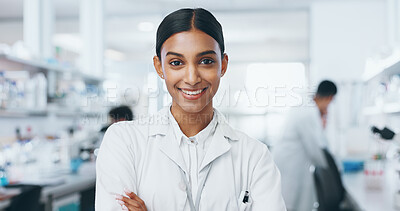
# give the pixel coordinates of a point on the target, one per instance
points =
(146, 26)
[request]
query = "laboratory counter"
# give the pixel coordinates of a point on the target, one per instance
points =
(6, 195)
(62, 189)
(72, 184)
(374, 191)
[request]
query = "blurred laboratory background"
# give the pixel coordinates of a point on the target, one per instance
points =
(64, 64)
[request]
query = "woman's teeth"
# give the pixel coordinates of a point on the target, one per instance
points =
(192, 92)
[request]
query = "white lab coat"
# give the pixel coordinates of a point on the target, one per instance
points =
(299, 149)
(143, 156)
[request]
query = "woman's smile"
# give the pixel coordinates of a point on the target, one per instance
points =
(192, 94)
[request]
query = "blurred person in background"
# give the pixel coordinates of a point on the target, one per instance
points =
(117, 114)
(301, 148)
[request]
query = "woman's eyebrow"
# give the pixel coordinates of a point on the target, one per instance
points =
(198, 55)
(173, 53)
(205, 53)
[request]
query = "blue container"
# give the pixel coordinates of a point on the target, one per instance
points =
(3, 177)
(70, 207)
(352, 165)
(75, 164)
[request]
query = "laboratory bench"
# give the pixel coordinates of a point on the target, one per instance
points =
(73, 184)
(4, 203)
(374, 192)
(68, 188)
(64, 189)
(6, 195)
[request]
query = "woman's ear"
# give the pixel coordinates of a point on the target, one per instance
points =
(224, 65)
(158, 66)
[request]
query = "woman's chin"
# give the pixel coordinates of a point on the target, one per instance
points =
(192, 108)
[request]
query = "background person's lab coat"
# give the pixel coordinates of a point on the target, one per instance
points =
(299, 149)
(147, 160)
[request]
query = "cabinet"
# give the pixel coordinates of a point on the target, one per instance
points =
(382, 86)
(65, 90)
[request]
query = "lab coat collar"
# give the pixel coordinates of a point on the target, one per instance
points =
(218, 146)
(159, 124)
(226, 130)
(172, 150)
(200, 137)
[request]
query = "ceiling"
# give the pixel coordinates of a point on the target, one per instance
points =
(70, 8)
(254, 30)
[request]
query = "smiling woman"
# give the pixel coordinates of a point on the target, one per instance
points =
(186, 157)
(192, 70)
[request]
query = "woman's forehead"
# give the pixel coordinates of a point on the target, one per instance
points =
(192, 41)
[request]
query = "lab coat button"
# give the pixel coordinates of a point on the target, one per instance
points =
(182, 186)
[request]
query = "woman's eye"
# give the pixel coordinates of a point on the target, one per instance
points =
(175, 63)
(207, 61)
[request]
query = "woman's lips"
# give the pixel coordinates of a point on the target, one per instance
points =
(192, 94)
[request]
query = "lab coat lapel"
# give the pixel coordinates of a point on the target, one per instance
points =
(218, 146)
(169, 146)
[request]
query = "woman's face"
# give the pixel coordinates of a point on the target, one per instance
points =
(192, 65)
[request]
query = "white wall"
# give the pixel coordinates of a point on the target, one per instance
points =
(10, 32)
(343, 35)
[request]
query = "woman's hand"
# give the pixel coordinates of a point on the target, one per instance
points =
(132, 202)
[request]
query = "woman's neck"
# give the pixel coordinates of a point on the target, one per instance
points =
(192, 123)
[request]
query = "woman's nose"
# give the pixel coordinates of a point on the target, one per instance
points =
(192, 76)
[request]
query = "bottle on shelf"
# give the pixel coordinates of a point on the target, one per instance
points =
(29, 94)
(3, 94)
(41, 91)
(12, 94)
(28, 135)
(3, 177)
(18, 135)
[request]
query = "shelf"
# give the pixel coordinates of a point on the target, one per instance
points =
(389, 108)
(21, 112)
(16, 113)
(52, 67)
(76, 112)
(372, 110)
(382, 68)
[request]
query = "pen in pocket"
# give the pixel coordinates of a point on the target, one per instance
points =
(246, 197)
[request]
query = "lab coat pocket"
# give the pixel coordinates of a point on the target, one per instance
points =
(243, 205)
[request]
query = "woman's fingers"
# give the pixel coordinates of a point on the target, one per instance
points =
(133, 196)
(134, 203)
(131, 202)
(127, 203)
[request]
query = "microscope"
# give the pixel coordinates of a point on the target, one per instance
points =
(385, 133)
